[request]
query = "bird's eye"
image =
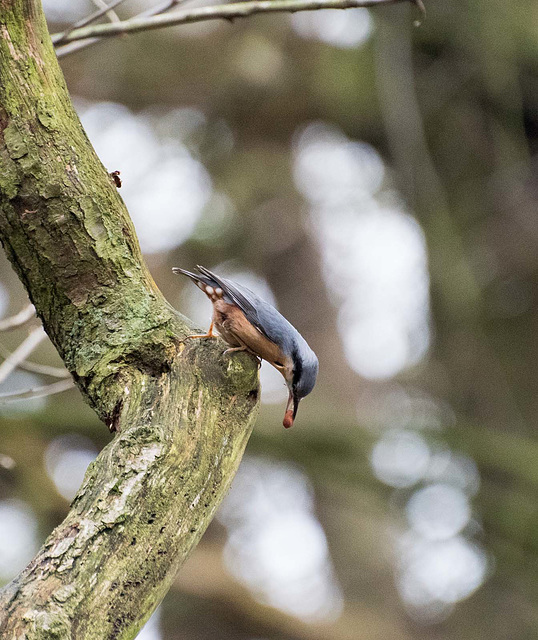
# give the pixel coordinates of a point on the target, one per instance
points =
(279, 364)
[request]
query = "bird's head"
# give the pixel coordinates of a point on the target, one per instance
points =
(300, 378)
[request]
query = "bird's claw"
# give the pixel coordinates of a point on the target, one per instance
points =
(234, 349)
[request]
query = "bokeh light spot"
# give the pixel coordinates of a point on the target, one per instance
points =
(18, 537)
(400, 458)
(164, 187)
(341, 29)
(66, 460)
(276, 545)
(438, 511)
(374, 252)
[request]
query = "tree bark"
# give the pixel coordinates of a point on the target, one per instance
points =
(182, 410)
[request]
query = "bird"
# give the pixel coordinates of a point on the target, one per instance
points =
(248, 323)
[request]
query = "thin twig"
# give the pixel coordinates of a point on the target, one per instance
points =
(216, 12)
(164, 7)
(73, 47)
(83, 44)
(38, 392)
(34, 367)
(110, 13)
(18, 319)
(58, 38)
(29, 344)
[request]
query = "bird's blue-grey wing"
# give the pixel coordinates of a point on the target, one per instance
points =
(260, 313)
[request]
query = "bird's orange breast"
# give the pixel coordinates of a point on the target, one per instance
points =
(230, 320)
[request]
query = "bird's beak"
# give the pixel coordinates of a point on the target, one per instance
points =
(291, 409)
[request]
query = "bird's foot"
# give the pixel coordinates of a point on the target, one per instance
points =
(234, 349)
(209, 334)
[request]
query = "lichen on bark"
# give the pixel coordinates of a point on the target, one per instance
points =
(183, 411)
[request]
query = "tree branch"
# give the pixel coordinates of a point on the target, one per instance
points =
(218, 12)
(183, 412)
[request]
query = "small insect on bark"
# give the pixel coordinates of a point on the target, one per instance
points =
(115, 175)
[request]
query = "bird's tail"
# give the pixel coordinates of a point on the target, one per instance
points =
(198, 278)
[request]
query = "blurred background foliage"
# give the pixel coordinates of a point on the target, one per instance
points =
(378, 182)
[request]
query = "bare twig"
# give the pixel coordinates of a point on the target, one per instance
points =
(38, 392)
(161, 8)
(216, 12)
(19, 319)
(33, 367)
(76, 46)
(83, 44)
(35, 337)
(58, 38)
(110, 13)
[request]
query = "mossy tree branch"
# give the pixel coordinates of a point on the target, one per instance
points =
(182, 410)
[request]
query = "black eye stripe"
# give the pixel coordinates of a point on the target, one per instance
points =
(298, 367)
(279, 364)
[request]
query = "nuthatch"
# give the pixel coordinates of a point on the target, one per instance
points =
(248, 323)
